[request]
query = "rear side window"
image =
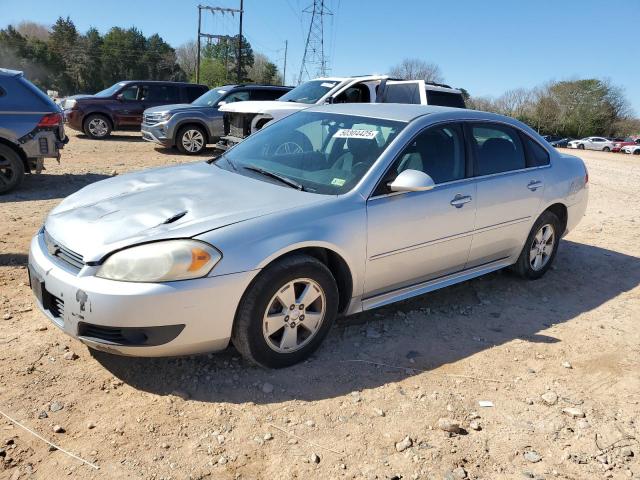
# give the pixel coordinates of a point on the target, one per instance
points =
(162, 93)
(536, 155)
(237, 96)
(266, 94)
(408, 92)
(498, 149)
(445, 99)
(194, 92)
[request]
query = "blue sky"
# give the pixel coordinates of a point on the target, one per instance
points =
(485, 46)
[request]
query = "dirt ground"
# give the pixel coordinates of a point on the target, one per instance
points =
(379, 378)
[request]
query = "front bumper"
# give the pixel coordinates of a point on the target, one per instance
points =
(156, 133)
(82, 304)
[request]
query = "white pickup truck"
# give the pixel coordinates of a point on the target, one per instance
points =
(244, 118)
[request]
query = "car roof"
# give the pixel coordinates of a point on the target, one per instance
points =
(5, 72)
(163, 82)
(404, 112)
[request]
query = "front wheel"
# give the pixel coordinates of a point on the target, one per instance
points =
(191, 140)
(540, 248)
(97, 126)
(636, 152)
(286, 312)
(581, 147)
(606, 149)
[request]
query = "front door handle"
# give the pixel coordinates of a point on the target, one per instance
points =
(534, 185)
(459, 200)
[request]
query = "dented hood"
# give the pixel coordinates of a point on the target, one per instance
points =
(263, 107)
(173, 202)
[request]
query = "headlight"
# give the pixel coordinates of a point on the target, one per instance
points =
(161, 262)
(69, 104)
(165, 116)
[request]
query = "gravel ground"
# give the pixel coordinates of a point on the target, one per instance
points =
(393, 393)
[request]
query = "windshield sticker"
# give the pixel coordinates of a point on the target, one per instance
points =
(338, 182)
(352, 133)
(328, 84)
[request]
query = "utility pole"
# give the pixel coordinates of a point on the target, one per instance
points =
(215, 10)
(240, 45)
(314, 48)
(198, 59)
(284, 69)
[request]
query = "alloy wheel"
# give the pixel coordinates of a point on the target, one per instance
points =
(542, 247)
(192, 140)
(98, 127)
(294, 315)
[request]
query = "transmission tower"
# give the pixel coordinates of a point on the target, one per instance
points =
(314, 57)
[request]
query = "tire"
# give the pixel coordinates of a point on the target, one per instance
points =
(636, 152)
(581, 147)
(97, 126)
(11, 169)
(191, 140)
(264, 342)
(606, 149)
(523, 267)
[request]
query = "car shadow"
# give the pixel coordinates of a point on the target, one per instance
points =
(207, 152)
(13, 259)
(46, 186)
(114, 137)
(403, 339)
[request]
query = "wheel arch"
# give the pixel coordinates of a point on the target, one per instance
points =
(19, 151)
(188, 122)
(559, 210)
(333, 260)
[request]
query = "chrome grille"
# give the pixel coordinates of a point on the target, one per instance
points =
(151, 118)
(61, 252)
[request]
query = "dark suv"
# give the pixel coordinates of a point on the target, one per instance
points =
(191, 127)
(31, 129)
(120, 106)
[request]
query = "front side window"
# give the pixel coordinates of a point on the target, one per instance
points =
(498, 149)
(320, 152)
(162, 93)
(437, 151)
(107, 92)
(130, 93)
(309, 92)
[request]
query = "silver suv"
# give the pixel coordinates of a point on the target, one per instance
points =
(31, 129)
(190, 127)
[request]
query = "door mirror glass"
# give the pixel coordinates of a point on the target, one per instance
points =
(120, 97)
(412, 181)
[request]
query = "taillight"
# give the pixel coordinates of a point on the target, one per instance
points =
(50, 120)
(586, 175)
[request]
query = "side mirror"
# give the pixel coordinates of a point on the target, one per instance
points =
(412, 181)
(330, 100)
(120, 97)
(221, 103)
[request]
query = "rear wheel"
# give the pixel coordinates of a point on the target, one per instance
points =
(11, 169)
(97, 126)
(540, 248)
(286, 312)
(191, 140)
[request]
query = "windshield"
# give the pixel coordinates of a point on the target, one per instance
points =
(315, 151)
(107, 92)
(209, 99)
(309, 92)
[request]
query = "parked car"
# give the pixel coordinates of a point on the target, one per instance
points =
(592, 143)
(120, 106)
(557, 141)
(190, 127)
(264, 247)
(633, 149)
(31, 129)
(240, 120)
(619, 143)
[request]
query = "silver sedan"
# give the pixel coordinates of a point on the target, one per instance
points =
(330, 211)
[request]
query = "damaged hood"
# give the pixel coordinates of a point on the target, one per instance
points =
(263, 107)
(173, 202)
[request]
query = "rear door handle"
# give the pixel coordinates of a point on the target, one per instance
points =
(459, 200)
(534, 185)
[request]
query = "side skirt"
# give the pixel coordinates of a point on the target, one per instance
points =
(431, 285)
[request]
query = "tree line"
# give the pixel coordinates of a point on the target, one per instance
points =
(568, 108)
(63, 59)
